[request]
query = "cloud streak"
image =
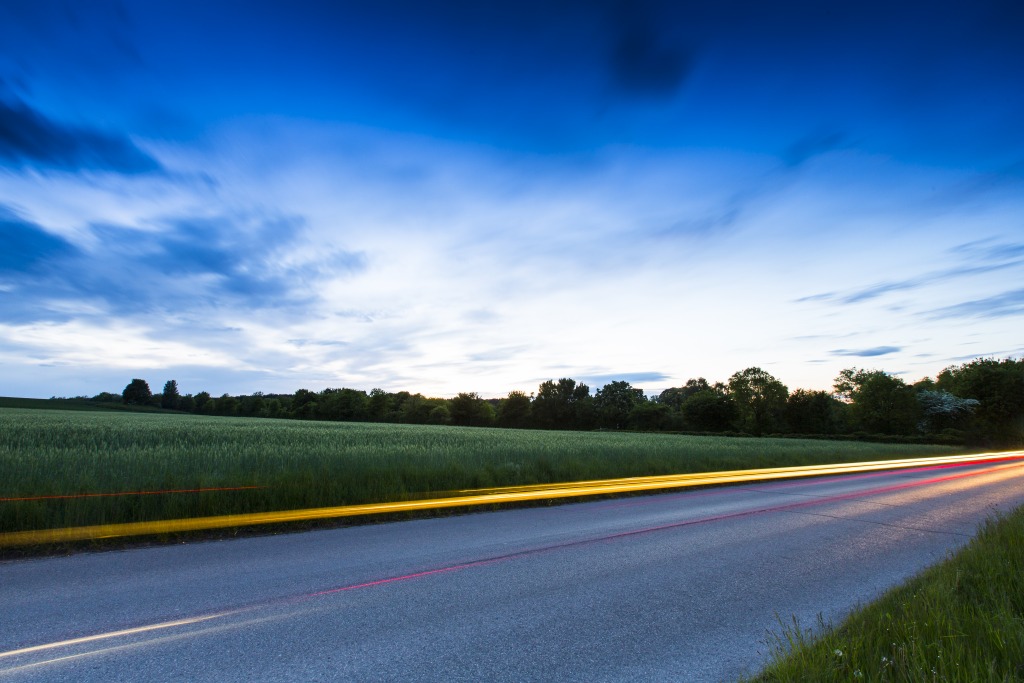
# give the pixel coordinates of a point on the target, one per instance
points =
(983, 258)
(867, 353)
(1004, 305)
(598, 381)
(30, 139)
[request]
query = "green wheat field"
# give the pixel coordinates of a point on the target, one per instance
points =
(47, 454)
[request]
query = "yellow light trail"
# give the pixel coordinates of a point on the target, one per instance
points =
(476, 497)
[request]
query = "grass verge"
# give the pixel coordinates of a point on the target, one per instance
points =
(961, 620)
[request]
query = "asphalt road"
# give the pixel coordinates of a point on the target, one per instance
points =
(670, 587)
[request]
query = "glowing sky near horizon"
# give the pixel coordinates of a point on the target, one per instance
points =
(460, 196)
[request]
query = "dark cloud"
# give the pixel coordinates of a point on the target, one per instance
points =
(26, 246)
(225, 260)
(182, 265)
(1002, 305)
(28, 138)
(867, 353)
(646, 63)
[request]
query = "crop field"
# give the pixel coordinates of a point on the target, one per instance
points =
(64, 468)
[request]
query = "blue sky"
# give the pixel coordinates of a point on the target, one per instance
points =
(464, 196)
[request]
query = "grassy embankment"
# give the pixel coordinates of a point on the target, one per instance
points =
(959, 621)
(295, 464)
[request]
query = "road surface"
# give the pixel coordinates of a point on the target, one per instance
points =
(677, 586)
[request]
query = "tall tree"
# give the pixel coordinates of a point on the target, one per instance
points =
(379, 405)
(187, 403)
(416, 409)
(998, 386)
(469, 410)
(226, 405)
(711, 410)
(652, 416)
(170, 398)
(761, 400)
(303, 404)
(514, 411)
(880, 402)
(562, 405)
(812, 412)
(342, 404)
(615, 401)
(137, 393)
(674, 397)
(439, 414)
(275, 408)
(201, 399)
(252, 406)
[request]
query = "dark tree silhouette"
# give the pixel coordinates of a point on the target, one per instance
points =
(170, 398)
(137, 393)
(514, 411)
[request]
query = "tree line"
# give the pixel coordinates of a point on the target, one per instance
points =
(980, 402)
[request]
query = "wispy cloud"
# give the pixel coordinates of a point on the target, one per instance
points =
(1002, 305)
(867, 353)
(502, 354)
(726, 215)
(597, 381)
(979, 258)
(989, 250)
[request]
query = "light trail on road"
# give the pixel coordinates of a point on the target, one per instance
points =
(478, 497)
(788, 506)
(114, 634)
(690, 550)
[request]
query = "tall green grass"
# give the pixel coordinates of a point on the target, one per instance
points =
(310, 464)
(961, 621)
